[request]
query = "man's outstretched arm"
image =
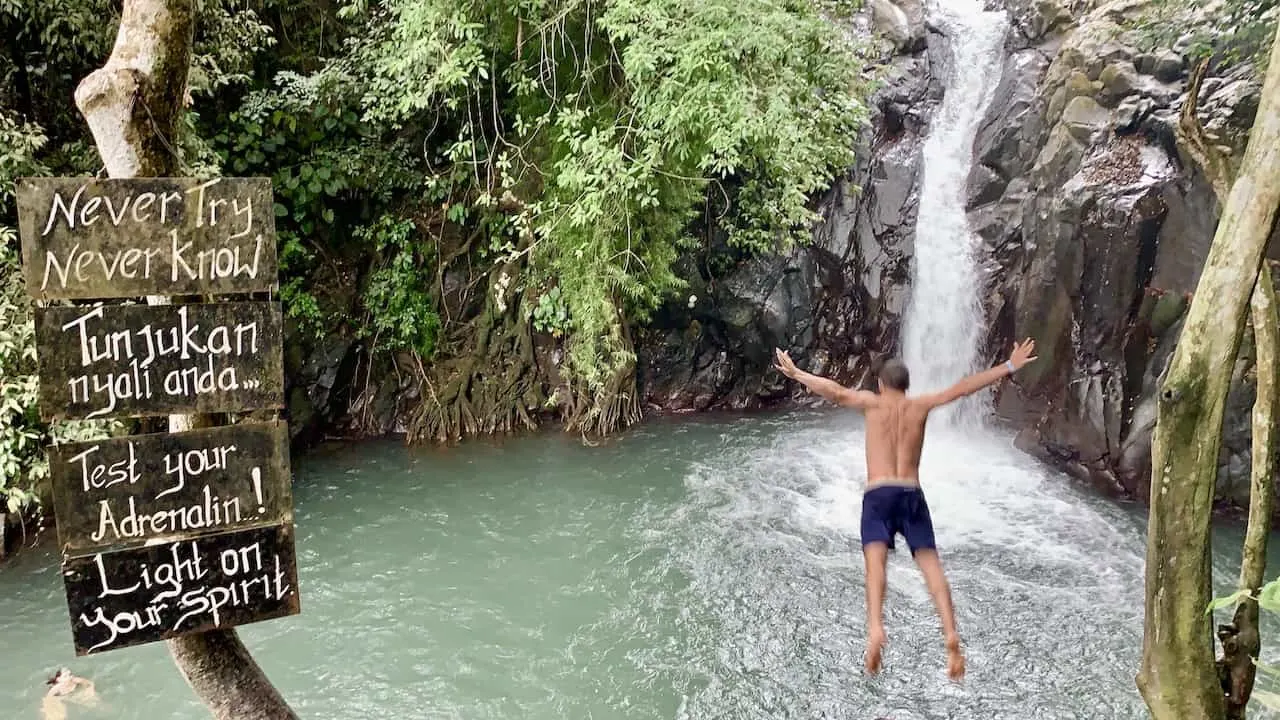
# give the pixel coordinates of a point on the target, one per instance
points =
(1020, 356)
(822, 387)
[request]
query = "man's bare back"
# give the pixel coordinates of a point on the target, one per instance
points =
(895, 436)
(893, 503)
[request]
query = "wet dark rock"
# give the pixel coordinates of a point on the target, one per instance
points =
(985, 186)
(319, 380)
(1098, 239)
(1168, 67)
(835, 304)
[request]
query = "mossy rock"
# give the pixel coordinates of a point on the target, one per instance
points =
(1119, 80)
(1059, 157)
(301, 410)
(1049, 15)
(1169, 308)
(1077, 84)
(1083, 117)
(1056, 105)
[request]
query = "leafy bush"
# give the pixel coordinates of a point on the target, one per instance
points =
(1233, 31)
(404, 314)
(329, 170)
(612, 123)
(23, 437)
(24, 464)
(51, 46)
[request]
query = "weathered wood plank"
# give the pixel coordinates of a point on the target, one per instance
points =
(134, 360)
(130, 597)
(126, 491)
(109, 238)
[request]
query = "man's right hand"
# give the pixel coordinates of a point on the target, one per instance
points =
(784, 364)
(1021, 354)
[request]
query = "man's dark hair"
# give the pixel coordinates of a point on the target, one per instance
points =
(893, 373)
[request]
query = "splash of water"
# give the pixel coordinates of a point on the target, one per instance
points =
(944, 320)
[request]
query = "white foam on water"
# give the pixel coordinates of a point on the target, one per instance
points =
(1046, 578)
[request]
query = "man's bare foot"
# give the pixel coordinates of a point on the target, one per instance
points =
(875, 645)
(955, 660)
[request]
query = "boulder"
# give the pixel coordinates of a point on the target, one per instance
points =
(902, 21)
(1046, 17)
(835, 304)
(1168, 66)
(1119, 80)
(1083, 117)
(985, 186)
(1097, 240)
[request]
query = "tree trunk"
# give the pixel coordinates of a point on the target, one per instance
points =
(1240, 638)
(134, 106)
(1178, 679)
(1241, 641)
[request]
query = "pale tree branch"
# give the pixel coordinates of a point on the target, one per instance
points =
(1178, 677)
(1240, 639)
(133, 106)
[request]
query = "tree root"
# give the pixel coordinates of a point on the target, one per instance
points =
(490, 387)
(494, 383)
(614, 407)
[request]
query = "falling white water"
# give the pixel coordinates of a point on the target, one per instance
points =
(944, 320)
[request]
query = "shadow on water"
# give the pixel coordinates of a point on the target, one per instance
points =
(689, 569)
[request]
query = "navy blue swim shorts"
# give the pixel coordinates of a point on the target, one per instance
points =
(890, 510)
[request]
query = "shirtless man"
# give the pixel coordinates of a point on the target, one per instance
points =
(893, 502)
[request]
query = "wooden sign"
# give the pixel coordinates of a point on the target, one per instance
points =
(133, 360)
(130, 597)
(143, 488)
(112, 238)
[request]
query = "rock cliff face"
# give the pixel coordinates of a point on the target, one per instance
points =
(836, 303)
(1096, 231)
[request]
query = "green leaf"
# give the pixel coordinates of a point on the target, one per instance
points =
(1266, 669)
(1269, 596)
(1228, 601)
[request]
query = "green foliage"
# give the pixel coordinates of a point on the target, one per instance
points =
(229, 36)
(23, 437)
(551, 315)
(50, 46)
(397, 297)
(571, 148)
(1232, 31)
(324, 164)
(1227, 601)
(611, 122)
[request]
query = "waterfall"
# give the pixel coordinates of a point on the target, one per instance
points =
(944, 321)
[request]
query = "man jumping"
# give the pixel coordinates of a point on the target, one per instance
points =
(893, 502)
